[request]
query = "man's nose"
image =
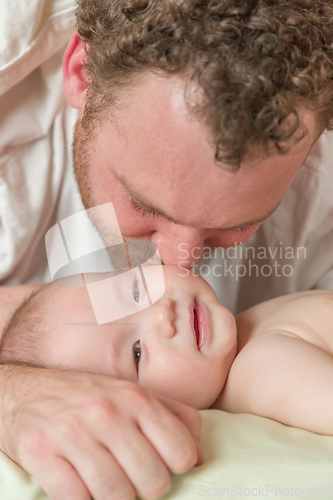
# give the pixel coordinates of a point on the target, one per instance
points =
(165, 317)
(180, 246)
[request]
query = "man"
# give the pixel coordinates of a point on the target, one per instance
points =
(193, 118)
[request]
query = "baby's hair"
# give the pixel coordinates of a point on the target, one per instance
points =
(20, 342)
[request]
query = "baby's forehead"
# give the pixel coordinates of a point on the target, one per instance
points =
(76, 304)
(63, 301)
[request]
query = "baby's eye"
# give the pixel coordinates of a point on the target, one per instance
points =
(137, 352)
(138, 290)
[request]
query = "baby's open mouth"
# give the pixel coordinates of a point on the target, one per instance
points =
(200, 325)
(196, 325)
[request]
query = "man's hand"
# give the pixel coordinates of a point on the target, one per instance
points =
(84, 435)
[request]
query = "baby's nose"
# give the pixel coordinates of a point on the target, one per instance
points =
(165, 318)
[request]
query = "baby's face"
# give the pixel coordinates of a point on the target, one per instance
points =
(182, 346)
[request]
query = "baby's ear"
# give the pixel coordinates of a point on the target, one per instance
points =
(75, 75)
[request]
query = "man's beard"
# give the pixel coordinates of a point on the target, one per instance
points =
(82, 138)
(121, 249)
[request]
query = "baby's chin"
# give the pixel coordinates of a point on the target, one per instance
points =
(204, 401)
(199, 395)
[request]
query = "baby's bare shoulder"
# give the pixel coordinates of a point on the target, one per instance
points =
(307, 315)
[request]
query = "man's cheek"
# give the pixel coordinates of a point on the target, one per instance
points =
(132, 228)
(232, 238)
(133, 224)
(245, 235)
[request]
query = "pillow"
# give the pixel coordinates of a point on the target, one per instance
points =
(245, 456)
(254, 457)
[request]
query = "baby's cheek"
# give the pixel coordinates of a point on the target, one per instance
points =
(223, 364)
(189, 377)
(203, 383)
(180, 380)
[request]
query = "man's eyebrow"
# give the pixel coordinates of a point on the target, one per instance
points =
(138, 199)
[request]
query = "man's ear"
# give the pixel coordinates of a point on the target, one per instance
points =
(75, 76)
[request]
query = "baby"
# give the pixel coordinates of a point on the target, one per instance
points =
(273, 360)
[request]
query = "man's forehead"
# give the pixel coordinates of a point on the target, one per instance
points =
(165, 159)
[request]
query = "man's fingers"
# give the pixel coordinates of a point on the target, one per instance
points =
(103, 437)
(174, 442)
(141, 462)
(135, 453)
(59, 479)
(104, 477)
(190, 417)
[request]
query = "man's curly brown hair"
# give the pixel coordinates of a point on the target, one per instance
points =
(258, 62)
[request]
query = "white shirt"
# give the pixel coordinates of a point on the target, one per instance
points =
(293, 249)
(36, 128)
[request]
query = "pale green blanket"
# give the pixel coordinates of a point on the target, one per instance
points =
(245, 457)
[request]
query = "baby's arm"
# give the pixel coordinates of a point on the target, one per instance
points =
(283, 378)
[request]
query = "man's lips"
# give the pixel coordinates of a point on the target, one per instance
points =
(199, 324)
